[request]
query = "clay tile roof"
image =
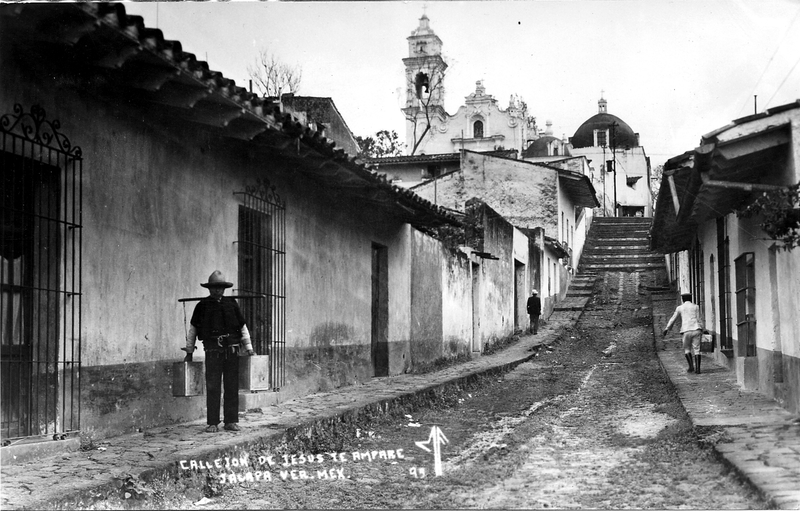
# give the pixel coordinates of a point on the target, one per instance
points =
(143, 66)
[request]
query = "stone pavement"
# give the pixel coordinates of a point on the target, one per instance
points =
(79, 476)
(754, 435)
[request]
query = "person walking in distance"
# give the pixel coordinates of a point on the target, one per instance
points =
(534, 310)
(691, 328)
(219, 323)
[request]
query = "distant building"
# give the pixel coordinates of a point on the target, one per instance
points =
(409, 171)
(321, 115)
(614, 148)
(546, 147)
(743, 277)
(478, 125)
(555, 200)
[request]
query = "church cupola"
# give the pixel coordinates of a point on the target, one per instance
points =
(602, 105)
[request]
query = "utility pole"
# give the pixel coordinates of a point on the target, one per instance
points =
(614, 163)
(603, 174)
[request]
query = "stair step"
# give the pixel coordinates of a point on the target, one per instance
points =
(605, 220)
(622, 259)
(571, 294)
(624, 266)
(624, 234)
(631, 249)
(618, 251)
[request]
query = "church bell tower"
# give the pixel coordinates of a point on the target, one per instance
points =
(425, 70)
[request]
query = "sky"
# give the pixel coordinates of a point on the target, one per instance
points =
(672, 70)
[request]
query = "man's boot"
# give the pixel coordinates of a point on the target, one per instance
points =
(691, 363)
(697, 363)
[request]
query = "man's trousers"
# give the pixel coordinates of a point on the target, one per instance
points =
(534, 323)
(222, 367)
(691, 341)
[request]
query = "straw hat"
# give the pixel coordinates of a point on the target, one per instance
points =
(216, 279)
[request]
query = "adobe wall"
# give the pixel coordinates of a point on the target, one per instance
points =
(456, 304)
(525, 194)
(426, 299)
(160, 214)
(496, 277)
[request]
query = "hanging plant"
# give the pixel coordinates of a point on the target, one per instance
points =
(780, 213)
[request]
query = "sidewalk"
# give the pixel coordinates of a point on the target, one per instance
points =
(69, 477)
(754, 435)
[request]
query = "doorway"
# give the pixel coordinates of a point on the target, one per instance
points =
(476, 308)
(380, 310)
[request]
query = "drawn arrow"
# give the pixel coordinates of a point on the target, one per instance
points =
(438, 439)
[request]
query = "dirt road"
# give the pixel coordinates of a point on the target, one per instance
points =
(591, 421)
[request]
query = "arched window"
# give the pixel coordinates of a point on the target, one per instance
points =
(477, 129)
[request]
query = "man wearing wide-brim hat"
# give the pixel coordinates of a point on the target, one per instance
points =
(219, 323)
(534, 310)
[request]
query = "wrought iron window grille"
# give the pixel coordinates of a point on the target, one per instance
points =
(40, 272)
(262, 271)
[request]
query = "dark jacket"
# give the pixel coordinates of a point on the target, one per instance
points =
(213, 318)
(535, 306)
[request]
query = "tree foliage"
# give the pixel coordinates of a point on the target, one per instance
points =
(273, 77)
(780, 214)
(655, 183)
(384, 143)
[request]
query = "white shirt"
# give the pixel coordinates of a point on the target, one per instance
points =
(690, 317)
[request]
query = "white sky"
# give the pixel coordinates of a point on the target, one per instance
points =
(673, 70)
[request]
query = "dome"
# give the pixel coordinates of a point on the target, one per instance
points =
(539, 146)
(584, 136)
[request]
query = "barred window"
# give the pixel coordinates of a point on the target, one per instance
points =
(746, 303)
(262, 274)
(40, 276)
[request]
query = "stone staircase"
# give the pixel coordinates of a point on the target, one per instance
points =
(613, 244)
(619, 244)
(579, 292)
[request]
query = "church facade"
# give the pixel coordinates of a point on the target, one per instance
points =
(478, 125)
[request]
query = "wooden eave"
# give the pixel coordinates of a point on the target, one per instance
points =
(667, 234)
(730, 166)
(717, 178)
(578, 188)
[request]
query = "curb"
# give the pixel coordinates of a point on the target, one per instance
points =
(332, 424)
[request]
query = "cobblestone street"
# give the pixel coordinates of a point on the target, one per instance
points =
(590, 421)
(592, 412)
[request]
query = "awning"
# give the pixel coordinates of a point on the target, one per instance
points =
(578, 188)
(749, 155)
(556, 246)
